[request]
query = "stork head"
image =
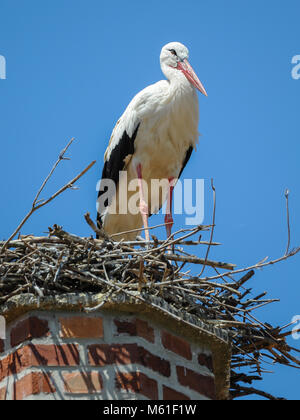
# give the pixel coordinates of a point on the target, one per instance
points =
(174, 58)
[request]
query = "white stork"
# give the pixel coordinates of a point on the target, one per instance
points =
(153, 139)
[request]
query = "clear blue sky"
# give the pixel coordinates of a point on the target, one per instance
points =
(73, 66)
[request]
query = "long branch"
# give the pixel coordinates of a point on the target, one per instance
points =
(36, 206)
(60, 158)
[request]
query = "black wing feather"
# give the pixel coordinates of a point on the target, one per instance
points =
(186, 159)
(116, 163)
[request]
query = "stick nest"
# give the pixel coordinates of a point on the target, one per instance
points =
(64, 263)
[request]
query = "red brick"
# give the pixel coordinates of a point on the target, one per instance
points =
(81, 327)
(33, 384)
(145, 331)
(172, 395)
(153, 362)
(126, 327)
(205, 385)
(55, 355)
(136, 328)
(137, 382)
(205, 360)
(2, 394)
(28, 329)
(176, 345)
(105, 354)
(83, 382)
(39, 355)
(124, 354)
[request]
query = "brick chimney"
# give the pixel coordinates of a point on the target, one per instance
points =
(126, 350)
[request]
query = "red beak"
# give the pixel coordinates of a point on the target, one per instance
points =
(189, 73)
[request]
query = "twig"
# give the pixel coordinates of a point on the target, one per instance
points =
(212, 229)
(100, 232)
(245, 391)
(45, 202)
(287, 193)
(60, 158)
(138, 230)
(195, 260)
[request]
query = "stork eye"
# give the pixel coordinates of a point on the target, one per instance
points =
(173, 52)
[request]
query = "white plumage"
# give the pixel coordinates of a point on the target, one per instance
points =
(156, 133)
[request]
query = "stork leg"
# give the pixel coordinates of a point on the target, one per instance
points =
(144, 210)
(169, 218)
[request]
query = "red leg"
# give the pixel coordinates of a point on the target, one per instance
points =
(169, 218)
(143, 205)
